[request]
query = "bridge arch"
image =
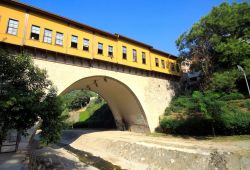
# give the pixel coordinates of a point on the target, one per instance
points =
(148, 94)
(123, 102)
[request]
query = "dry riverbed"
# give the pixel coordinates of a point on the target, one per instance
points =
(128, 150)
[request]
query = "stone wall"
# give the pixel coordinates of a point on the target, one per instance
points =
(140, 97)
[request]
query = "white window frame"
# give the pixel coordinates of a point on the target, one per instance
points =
(134, 55)
(124, 52)
(12, 28)
(100, 47)
(86, 44)
(110, 50)
(163, 64)
(144, 57)
(59, 38)
(35, 30)
(47, 37)
(74, 39)
(157, 62)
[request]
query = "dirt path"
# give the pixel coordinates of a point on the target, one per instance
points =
(74, 116)
(132, 150)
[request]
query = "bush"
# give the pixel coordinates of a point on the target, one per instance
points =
(170, 125)
(207, 113)
(232, 96)
(235, 121)
(247, 105)
(77, 99)
(79, 102)
(197, 126)
(180, 104)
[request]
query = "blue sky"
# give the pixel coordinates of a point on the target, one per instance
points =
(155, 22)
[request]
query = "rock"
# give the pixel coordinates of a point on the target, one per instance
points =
(172, 161)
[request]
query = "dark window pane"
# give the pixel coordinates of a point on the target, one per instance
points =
(35, 32)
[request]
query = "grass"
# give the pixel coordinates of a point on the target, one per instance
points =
(91, 108)
(243, 104)
(84, 116)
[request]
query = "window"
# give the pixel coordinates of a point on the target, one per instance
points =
(74, 41)
(35, 32)
(156, 62)
(124, 52)
(110, 51)
(162, 63)
(47, 38)
(172, 67)
(100, 48)
(59, 38)
(134, 55)
(85, 44)
(12, 27)
(167, 64)
(178, 68)
(143, 58)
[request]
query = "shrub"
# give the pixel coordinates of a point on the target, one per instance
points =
(235, 121)
(77, 99)
(232, 96)
(170, 125)
(180, 104)
(207, 113)
(198, 126)
(247, 105)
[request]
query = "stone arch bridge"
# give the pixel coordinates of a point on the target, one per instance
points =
(136, 97)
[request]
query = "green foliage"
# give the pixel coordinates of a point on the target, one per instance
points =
(97, 115)
(224, 81)
(217, 44)
(84, 116)
(247, 105)
(235, 121)
(180, 104)
(77, 99)
(52, 118)
(232, 96)
(91, 109)
(22, 87)
(170, 125)
(99, 100)
(246, 65)
(206, 113)
(23, 95)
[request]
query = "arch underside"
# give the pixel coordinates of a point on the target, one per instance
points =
(126, 108)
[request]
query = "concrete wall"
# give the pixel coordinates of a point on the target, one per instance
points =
(133, 96)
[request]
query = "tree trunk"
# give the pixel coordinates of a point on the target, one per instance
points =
(213, 131)
(18, 139)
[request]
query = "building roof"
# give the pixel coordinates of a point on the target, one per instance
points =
(83, 26)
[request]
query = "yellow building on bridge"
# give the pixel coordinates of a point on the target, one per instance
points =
(27, 26)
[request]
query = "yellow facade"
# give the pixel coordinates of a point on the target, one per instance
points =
(165, 65)
(129, 61)
(106, 41)
(7, 12)
(56, 24)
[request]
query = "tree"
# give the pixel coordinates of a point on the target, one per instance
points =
(24, 94)
(219, 42)
(77, 99)
(216, 45)
(52, 118)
